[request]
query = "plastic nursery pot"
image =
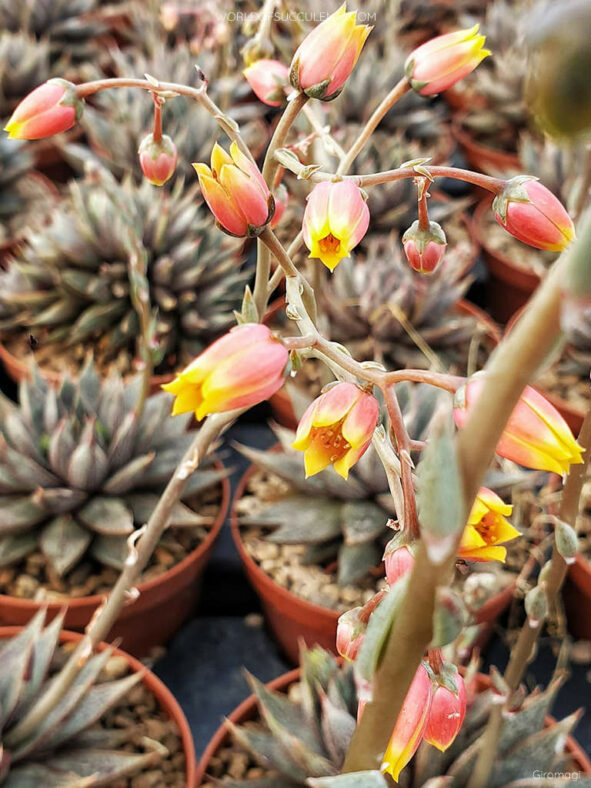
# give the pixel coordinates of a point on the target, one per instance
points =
(165, 698)
(509, 285)
(280, 402)
(248, 711)
(292, 618)
(577, 598)
(484, 158)
(163, 605)
(572, 415)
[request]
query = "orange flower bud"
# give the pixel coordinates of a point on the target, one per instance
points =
(410, 725)
(447, 713)
(535, 436)
(50, 109)
(268, 80)
(335, 220)
(157, 159)
(532, 214)
(440, 63)
(424, 249)
(327, 56)
(487, 529)
(236, 192)
(241, 369)
(337, 428)
(398, 562)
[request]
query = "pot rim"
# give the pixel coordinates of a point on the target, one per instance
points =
(95, 600)
(167, 700)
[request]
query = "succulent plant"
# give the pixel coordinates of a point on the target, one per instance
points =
(15, 164)
(383, 310)
(80, 470)
(303, 736)
(68, 748)
(69, 283)
(24, 64)
(334, 518)
(68, 26)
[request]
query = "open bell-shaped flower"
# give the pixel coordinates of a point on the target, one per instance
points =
(335, 220)
(236, 192)
(487, 529)
(336, 429)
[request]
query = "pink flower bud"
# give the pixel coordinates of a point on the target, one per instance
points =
(327, 56)
(335, 220)
(535, 435)
(440, 63)
(350, 633)
(398, 563)
(236, 192)
(50, 109)
(446, 715)
(157, 159)
(531, 213)
(424, 249)
(244, 367)
(281, 201)
(337, 428)
(268, 79)
(410, 725)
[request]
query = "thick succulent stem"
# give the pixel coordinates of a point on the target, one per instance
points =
(105, 617)
(514, 364)
(397, 92)
(521, 653)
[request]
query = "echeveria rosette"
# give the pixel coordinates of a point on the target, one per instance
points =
(532, 214)
(487, 529)
(441, 62)
(50, 109)
(535, 436)
(244, 367)
(236, 192)
(327, 56)
(336, 429)
(335, 220)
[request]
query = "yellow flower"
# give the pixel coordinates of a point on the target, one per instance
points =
(487, 529)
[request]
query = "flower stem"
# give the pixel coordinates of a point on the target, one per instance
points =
(397, 92)
(423, 211)
(157, 133)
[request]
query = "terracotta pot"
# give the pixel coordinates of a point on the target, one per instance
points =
(485, 158)
(165, 698)
(163, 605)
(577, 598)
(248, 710)
(509, 286)
(292, 618)
(572, 415)
(280, 402)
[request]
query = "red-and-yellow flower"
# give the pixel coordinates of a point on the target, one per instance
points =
(532, 214)
(50, 109)
(487, 529)
(446, 715)
(337, 428)
(268, 80)
(327, 56)
(335, 220)
(241, 369)
(157, 158)
(236, 192)
(536, 436)
(440, 63)
(350, 633)
(410, 725)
